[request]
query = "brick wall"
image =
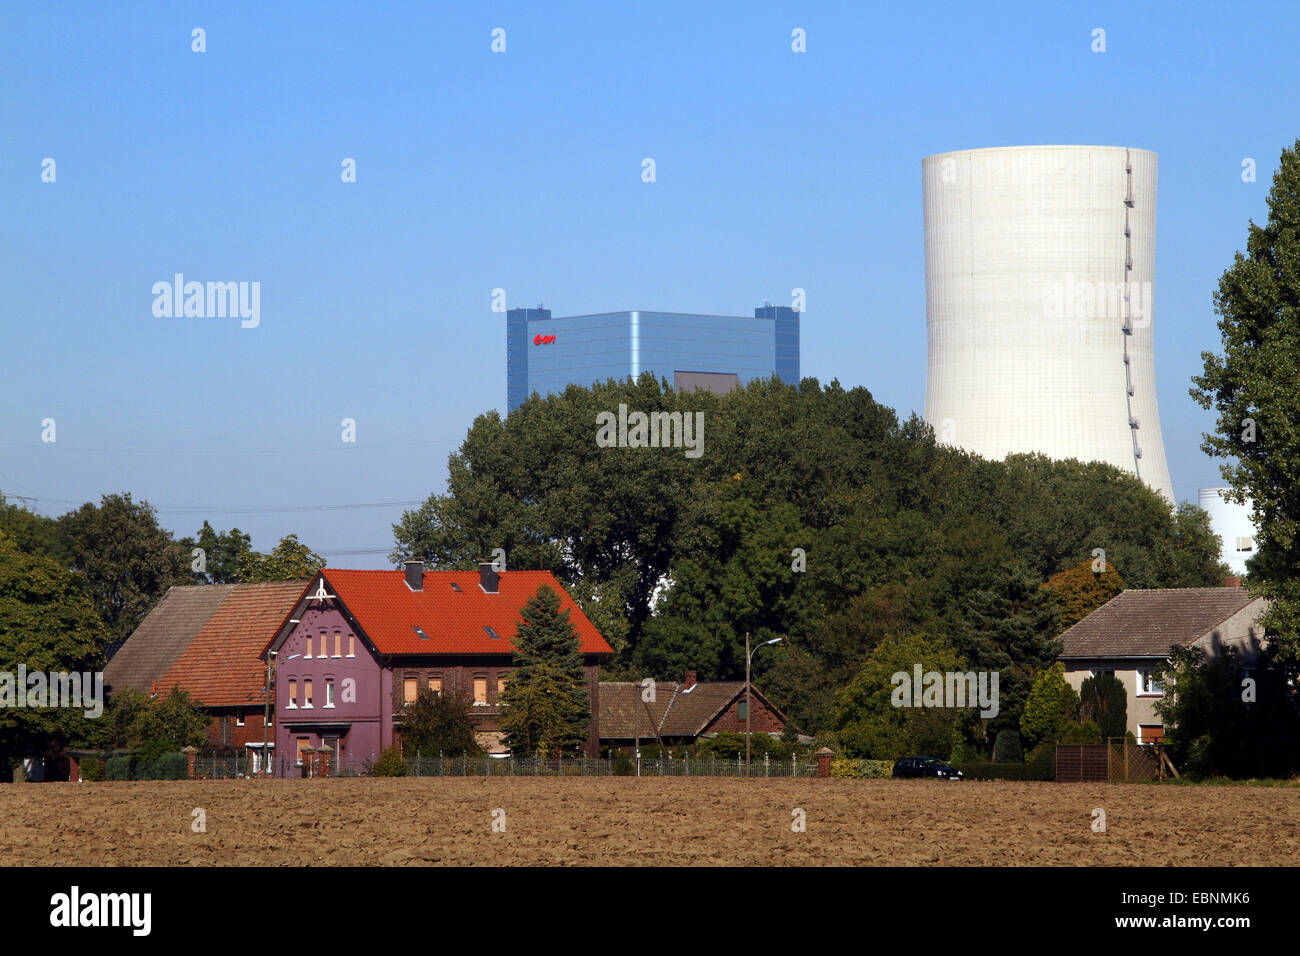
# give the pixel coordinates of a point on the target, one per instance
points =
(762, 719)
(224, 731)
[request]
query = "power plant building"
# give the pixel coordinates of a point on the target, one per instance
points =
(1232, 523)
(544, 354)
(1039, 280)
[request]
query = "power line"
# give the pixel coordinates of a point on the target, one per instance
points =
(239, 510)
(341, 446)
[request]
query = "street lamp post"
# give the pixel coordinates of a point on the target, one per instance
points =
(749, 656)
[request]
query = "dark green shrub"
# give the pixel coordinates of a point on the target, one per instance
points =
(92, 769)
(172, 766)
(1103, 700)
(117, 768)
(1043, 761)
(623, 765)
(390, 764)
(1088, 733)
(1006, 747)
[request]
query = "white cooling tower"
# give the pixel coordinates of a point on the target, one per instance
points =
(1039, 264)
(1232, 523)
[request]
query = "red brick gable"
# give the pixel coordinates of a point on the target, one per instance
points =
(388, 611)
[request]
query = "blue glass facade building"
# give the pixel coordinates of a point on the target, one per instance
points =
(544, 353)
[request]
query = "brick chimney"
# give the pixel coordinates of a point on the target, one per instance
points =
(415, 575)
(1232, 582)
(488, 577)
(689, 681)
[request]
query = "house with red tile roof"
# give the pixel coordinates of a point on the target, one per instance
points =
(358, 646)
(209, 640)
(680, 714)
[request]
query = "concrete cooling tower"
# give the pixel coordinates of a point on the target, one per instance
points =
(1039, 269)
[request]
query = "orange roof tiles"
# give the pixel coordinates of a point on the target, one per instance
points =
(221, 666)
(389, 611)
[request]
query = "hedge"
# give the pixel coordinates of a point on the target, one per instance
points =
(173, 766)
(851, 769)
(1006, 771)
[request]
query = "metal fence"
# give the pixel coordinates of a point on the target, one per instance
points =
(223, 768)
(483, 766)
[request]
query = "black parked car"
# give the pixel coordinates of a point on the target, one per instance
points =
(926, 767)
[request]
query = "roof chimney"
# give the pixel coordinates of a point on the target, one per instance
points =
(689, 682)
(415, 574)
(1232, 582)
(488, 577)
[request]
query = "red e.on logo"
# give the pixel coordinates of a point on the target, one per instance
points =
(543, 339)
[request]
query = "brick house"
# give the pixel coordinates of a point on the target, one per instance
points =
(1130, 637)
(359, 645)
(208, 639)
(681, 713)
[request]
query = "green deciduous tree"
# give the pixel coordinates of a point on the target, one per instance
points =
(869, 724)
(125, 560)
(545, 707)
(1080, 590)
(1252, 388)
(222, 551)
(439, 724)
(289, 560)
(47, 623)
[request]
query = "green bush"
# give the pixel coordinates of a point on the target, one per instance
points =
(1087, 733)
(117, 768)
(1006, 747)
(172, 766)
(849, 768)
(623, 765)
(1043, 761)
(91, 769)
(390, 764)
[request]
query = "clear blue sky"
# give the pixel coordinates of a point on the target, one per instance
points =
(521, 170)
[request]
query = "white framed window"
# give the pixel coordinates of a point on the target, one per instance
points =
(1148, 685)
(306, 694)
(239, 718)
(329, 693)
(480, 692)
(352, 645)
(410, 690)
(293, 696)
(338, 644)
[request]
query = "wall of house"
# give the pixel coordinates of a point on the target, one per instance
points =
(359, 715)
(224, 729)
(458, 674)
(1241, 631)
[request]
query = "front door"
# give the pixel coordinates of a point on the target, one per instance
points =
(336, 755)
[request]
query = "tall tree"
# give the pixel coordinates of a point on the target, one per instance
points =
(219, 552)
(1252, 386)
(32, 533)
(289, 560)
(1080, 590)
(545, 705)
(47, 623)
(125, 559)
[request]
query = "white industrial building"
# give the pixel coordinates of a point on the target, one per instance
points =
(1039, 271)
(1232, 523)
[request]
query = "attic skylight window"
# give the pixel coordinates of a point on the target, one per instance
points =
(420, 632)
(455, 587)
(491, 633)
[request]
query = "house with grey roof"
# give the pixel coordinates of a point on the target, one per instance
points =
(680, 713)
(1130, 637)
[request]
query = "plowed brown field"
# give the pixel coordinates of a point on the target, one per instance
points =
(646, 821)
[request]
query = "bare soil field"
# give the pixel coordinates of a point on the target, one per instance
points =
(643, 822)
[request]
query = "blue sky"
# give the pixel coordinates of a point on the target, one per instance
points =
(522, 170)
